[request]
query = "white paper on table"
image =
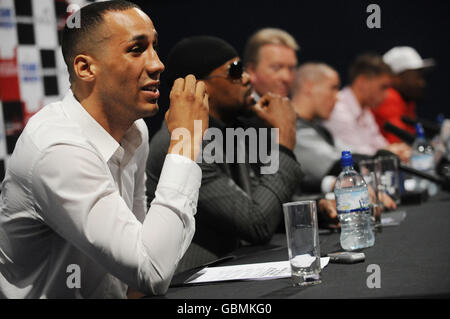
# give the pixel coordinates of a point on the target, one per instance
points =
(260, 271)
(394, 218)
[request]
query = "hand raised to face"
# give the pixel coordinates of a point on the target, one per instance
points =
(277, 111)
(188, 103)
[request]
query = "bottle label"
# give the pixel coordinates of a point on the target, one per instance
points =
(422, 162)
(352, 202)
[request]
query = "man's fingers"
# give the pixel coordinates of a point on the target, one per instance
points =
(166, 116)
(257, 109)
(387, 201)
(190, 84)
(265, 100)
(200, 90)
(177, 86)
(329, 207)
(332, 212)
(206, 101)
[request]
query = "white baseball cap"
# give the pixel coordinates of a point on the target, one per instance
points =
(405, 58)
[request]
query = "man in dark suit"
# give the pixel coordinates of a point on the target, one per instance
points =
(238, 202)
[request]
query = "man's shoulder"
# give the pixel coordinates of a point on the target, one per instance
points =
(141, 126)
(51, 126)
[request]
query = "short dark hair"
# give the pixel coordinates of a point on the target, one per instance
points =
(369, 64)
(91, 17)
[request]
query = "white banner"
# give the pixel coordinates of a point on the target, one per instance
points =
(3, 152)
(45, 30)
(30, 79)
(8, 29)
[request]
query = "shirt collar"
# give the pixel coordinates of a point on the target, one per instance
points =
(95, 133)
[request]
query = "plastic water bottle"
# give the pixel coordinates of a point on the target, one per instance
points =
(353, 207)
(422, 159)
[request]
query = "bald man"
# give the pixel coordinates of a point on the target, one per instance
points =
(314, 96)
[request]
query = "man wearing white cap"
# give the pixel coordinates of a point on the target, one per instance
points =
(408, 86)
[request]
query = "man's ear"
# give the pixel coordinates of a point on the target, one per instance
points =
(84, 67)
(308, 87)
(360, 80)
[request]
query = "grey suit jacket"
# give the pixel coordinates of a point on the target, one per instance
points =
(318, 153)
(315, 151)
(226, 214)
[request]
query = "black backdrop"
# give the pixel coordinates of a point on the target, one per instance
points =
(330, 31)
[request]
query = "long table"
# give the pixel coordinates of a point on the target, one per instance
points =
(413, 260)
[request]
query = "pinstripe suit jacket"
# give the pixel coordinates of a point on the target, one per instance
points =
(226, 214)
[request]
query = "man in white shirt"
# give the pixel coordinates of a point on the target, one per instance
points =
(313, 98)
(351, 122)
(73, 219)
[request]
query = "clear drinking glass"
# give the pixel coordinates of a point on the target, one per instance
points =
(303, 242)
(370, 171)
(389, 178)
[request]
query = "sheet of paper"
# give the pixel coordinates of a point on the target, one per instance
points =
(261, 271)
(394, 218)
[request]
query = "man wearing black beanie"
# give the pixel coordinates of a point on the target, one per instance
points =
(236, 202)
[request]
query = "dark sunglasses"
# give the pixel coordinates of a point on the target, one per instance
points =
(235, 71)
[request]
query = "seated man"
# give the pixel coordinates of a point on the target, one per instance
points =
(270, 58)
(314, 95)
(236, 201)
(408, 86)
(351, 121)
(313, 98)
(73, 217)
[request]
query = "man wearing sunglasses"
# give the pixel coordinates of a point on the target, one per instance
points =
(236, 203)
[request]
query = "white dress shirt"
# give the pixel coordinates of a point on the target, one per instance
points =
(354, 126)
(73, 219)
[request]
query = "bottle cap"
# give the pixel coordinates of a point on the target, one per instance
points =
(419, 130)
(346, 159)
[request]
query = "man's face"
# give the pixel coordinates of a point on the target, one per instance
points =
(128, 67)
(324, 95)
(374, 89)
(275, 70)
(231, 96)
(411, 84)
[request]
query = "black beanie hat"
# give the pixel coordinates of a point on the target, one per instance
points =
(198, 55)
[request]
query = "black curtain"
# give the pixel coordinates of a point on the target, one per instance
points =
(330, 31)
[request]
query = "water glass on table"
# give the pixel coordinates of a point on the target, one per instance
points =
(303, 242)
(389, 178)
(370, 171)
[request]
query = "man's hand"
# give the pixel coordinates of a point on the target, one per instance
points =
(277, 111)
(386, 200)
(327, 214)
(188, 103)
(402, 150)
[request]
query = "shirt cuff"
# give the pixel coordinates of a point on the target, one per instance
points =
(181, 174)
(327, 184)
